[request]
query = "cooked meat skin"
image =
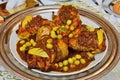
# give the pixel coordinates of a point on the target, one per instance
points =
(42, 31)
(67, 12)
(31, 28)
(87, 41)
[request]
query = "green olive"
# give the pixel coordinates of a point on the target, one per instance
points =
(56, 65)
(77, 62)
(22, 41)
(73, 58)
(28, 44)
(59, 36)
(65, 62)
(22, 48)
(66, 26)
(90, 54)
(53, 34)
(32, 42)
(69, 22)
(72, 28)
(77, 56)
(49, 40)
(70, 35)
(60, 64)
(82, 61)
(70, 60)
(65, 68)
(24, 45)
(49, 45)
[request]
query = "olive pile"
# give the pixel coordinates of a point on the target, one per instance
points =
(71, 62)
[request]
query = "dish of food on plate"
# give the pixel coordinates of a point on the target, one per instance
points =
(58, 42)
(63, 44)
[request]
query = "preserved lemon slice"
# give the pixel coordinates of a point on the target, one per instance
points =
(26, 20)
(38, 52)
(100, 36)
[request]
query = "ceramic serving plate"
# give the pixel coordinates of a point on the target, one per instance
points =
(102, 64)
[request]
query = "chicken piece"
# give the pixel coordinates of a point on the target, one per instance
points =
(65, 13)
(36, 62)
(39, 56)
(39, 21)
(22, 33)
(57, 53)
(56, 19)
(25, 30)
(87, 41)
(62, 51)
(42, 31)
(30, 25)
